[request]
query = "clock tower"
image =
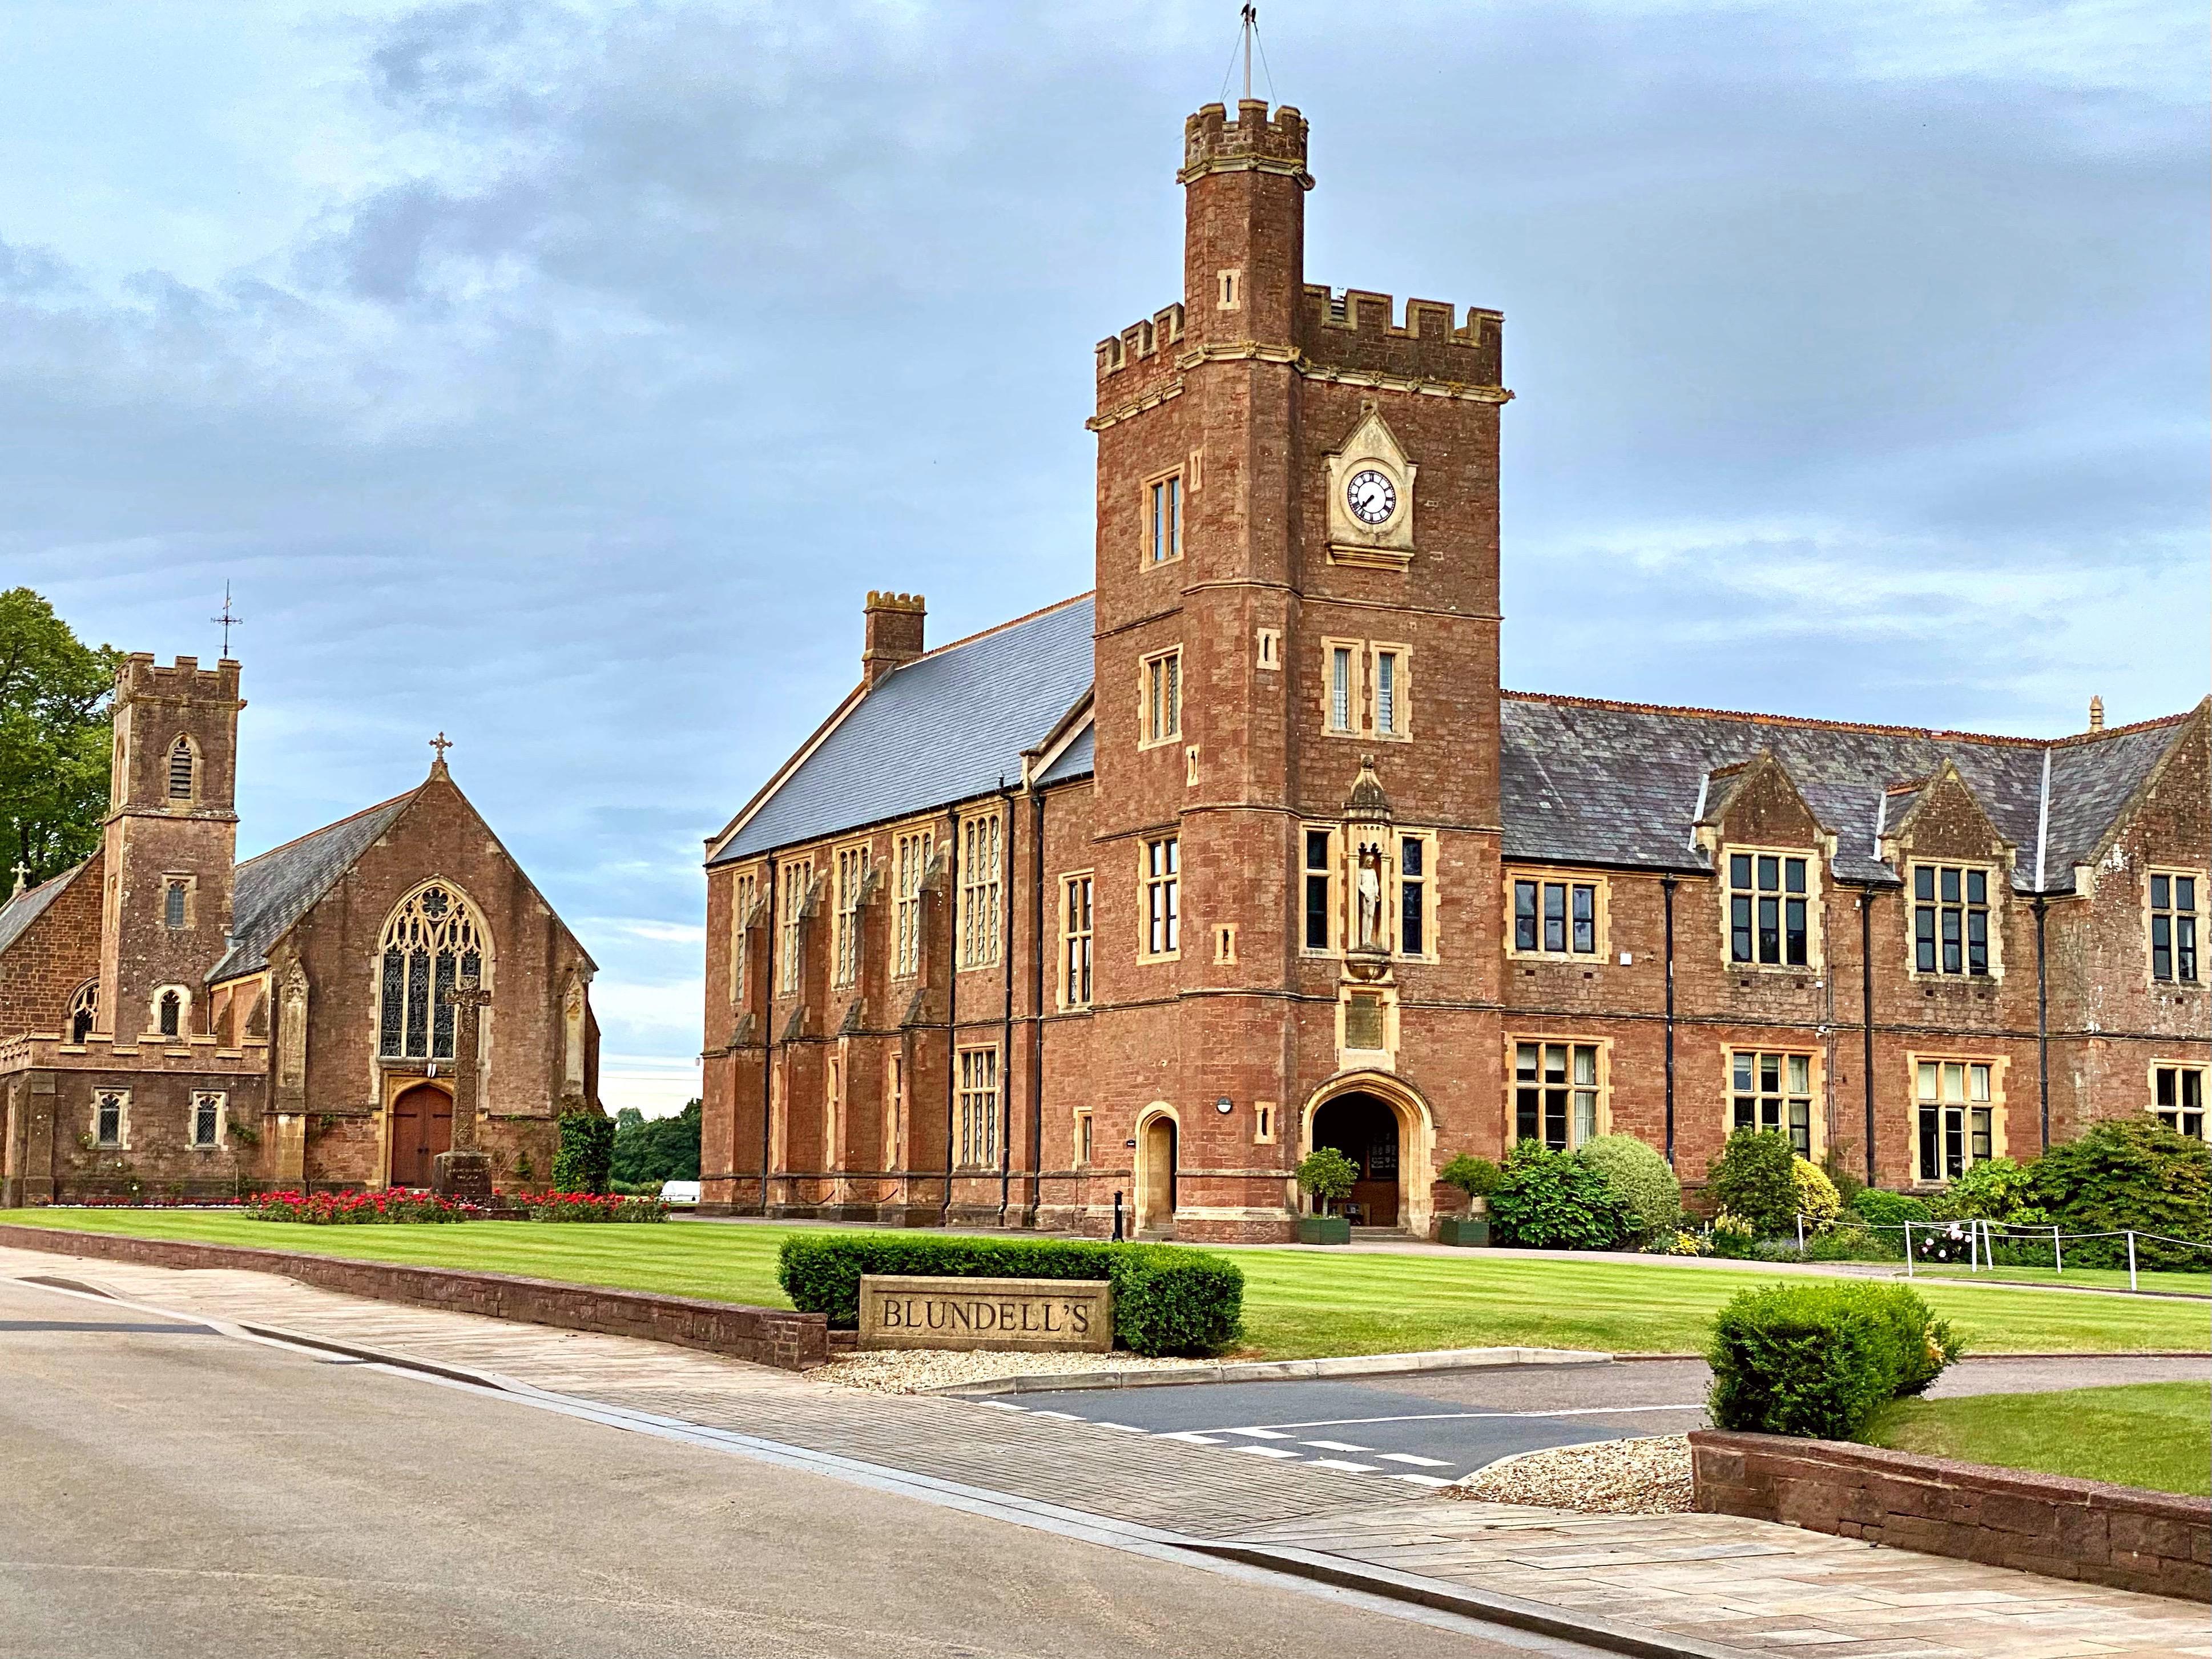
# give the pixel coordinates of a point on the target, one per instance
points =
(1296, 687)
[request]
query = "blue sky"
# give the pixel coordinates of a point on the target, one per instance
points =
(560, 376)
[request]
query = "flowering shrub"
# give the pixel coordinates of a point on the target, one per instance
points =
(587, 1206)
(326, 1209)
(1731, 1236)
(1676, 1241)
(1818, 1200)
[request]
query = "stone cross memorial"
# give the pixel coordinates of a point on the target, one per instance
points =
(898, 1311)
(465, 1172)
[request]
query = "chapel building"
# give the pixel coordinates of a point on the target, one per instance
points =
(1139, 898)
(174, 1023)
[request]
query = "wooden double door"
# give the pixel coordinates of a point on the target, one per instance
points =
(421, 1127)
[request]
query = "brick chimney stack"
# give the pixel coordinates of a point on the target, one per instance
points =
(894, 632)
(2096, 713)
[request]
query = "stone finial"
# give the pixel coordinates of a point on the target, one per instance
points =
(1367, 803)
(22, 874)
(2096, 713)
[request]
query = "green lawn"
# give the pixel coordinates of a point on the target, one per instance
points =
(1297, 1303)
(2146, 1434)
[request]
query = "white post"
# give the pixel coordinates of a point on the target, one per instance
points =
(2057, 1251)
(1908, 1250)
(1800, 1232)
(2131, 1261)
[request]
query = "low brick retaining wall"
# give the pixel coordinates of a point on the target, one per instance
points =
(2120, 1536)
(766, 1336)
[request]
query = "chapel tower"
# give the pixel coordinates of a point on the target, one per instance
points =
(171, 839)
(1296, 673)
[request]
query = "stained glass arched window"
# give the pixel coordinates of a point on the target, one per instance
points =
(84, 1011)
(433, 941)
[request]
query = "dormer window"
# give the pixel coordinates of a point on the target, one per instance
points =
(181, 764)
(1950, 919)
(1768, 912)
(2173, 927)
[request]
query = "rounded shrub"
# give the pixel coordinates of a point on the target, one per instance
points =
(1549, 1200)
(1754, 1179)
(1818, 1361)
(1325, 1176)
(1818, 1200)
(1642, 1179)
(1880, 1209)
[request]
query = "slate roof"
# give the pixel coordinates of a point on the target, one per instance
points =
(946, 727)
(28, 906)
(1075, 761)
(275, 890)
(1586, 781)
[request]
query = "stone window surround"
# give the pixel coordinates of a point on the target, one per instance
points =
(2200, 877)
(184, 995)
(912, 849)
(976, 1083)
(2000, 1068)
(1159, 681)
(1816, 1118)
(2204, 1085)
(744, 893)
(1077, 888)
(1176, 508)
(172, 880)
(1816, 874)
(1339, 886)
(1170, 880)
(1362, 658)
(121, 1141)
(849, 864)
(981, 921)
(1602, 1116)
(1083, 1141)
(796, 881)
(221, 1098)
(191, 772)
(1999, 881)
(1569, 878)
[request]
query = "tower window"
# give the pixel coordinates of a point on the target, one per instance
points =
(172, 904)
(169, 1013)
(1339, 688)
(1413, 895)
(1163, 712)
(1386, 692)
(181, 769)
(1162, 896)
(1320, 934)
(1164, 528)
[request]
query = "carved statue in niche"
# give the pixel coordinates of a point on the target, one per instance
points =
(1369, 885)
(572, 1035)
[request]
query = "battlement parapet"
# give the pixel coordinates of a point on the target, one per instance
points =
(140, 678)
(1253, 142)
(1359, 329)
(1140, 340)
(888, 601)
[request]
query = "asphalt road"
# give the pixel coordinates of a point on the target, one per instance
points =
(1440, 1426)
(168, 1491)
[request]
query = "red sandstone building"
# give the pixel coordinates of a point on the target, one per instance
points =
(173, 1023)
(1246, 851)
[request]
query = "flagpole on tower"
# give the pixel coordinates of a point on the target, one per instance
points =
(1251, 22)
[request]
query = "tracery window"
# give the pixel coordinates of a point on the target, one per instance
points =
(433, 942)
(912, 861)
(979, 892)
(852, 877)
(83, 1010)
(108, 1109)
(206, 1118)
(169, 1012)
(979, 1108)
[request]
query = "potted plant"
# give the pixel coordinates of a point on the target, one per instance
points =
(1325, 1177)
(1476, 1177)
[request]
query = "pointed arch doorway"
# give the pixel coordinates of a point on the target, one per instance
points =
(1382, 1123)
(420, 1125)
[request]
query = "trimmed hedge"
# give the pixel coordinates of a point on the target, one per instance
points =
(1167, 1298)
(1641, 1177)
(1818, 1361)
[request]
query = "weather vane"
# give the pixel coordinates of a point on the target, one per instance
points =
(227, 619)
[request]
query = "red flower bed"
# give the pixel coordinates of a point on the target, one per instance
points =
(324, 1209)
(587, 1206)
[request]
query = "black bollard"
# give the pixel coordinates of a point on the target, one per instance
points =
(1117, 1216)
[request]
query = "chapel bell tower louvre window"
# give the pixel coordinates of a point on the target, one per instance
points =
(1767, 911)
(432, 943)
(181, 768)
(1950, 919)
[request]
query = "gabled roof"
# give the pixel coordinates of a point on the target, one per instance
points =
(277, 889)
(17, 914)
(1076, 761)
(946, 727)
(1598, 782)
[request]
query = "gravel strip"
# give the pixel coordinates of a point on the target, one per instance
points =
(1650, 1476)
(912, 1370)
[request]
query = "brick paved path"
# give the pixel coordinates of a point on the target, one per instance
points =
(1753, 1587)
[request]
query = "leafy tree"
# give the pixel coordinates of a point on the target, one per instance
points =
(1327, 1174)
(2127, 1174)
(54, 738)
(647, 1149)
(1475, 1177)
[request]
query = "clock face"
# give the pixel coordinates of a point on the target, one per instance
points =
(1371, 496)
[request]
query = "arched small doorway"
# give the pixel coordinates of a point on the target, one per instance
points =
(1157, 1146)
(1365, 1130)
(421, 1127)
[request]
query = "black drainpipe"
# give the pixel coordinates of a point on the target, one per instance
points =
(1865, 1015)
(1036, 1009)
(951, 1002)
(1006, 1006)
(767, 1030)
(1666, 890)
(2042, 1022)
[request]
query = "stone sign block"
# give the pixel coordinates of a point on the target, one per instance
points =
(901, 1312)
(466, 1176)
